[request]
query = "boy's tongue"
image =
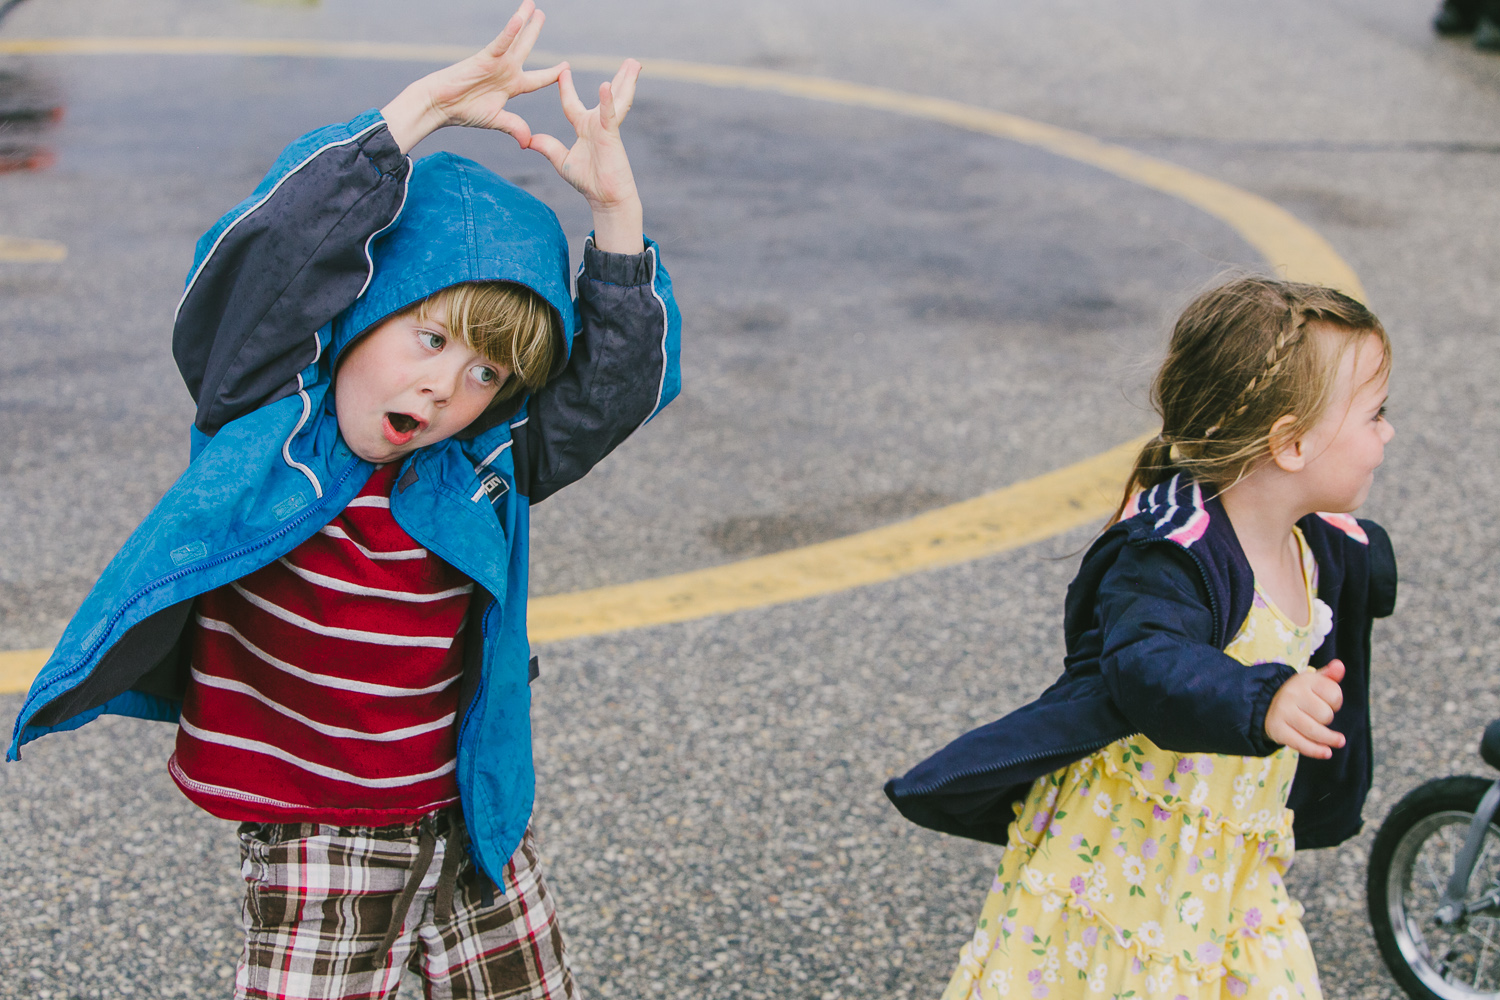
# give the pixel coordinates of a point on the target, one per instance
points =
(399, 428)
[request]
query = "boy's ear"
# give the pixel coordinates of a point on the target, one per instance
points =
(1286, 451)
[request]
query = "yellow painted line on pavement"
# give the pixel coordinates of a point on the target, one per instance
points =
(1026, 512)
(1005, 519)
(18, 668)
(13, 248)
(1008, 518)
(1287, 244)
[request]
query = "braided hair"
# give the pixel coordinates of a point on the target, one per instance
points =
(1242, 356)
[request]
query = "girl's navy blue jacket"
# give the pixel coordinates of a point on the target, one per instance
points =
(1156, 600)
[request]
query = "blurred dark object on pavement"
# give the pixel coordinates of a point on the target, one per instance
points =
(6, 6)
(28, 109)
(1461, 17)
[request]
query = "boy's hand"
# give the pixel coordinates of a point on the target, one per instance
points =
(473, 92)
(597, 165)
(1301, 711)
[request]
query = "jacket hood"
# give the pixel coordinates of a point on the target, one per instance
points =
(460, 222)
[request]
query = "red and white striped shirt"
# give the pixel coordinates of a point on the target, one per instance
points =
(324, 686)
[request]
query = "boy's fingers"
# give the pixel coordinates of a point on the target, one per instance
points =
(514, 126)
(606, 107)
(571, 105)
(536, 79)
(512, 28)
(624, 88)
(551, 148)
(521, 47)
(624, 84)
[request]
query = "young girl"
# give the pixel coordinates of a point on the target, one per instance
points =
(1153, 787)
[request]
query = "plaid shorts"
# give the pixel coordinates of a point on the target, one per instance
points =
(321, 899)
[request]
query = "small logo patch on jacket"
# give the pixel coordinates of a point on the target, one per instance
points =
(289, 506)
(495, 487)
(187, 553)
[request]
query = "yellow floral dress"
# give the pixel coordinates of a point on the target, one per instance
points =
(1137, 872)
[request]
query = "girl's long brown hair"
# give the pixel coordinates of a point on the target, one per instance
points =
(1242, 356)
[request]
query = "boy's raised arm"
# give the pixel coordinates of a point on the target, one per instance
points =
(596, 165)
(289, 258)
(283, 263)
(622, 370)
(624, 363)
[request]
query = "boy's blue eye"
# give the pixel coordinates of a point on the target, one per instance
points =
(486, 376)
(430, 340)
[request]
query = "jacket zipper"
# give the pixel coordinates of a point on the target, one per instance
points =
(173, 577)
(1213, 599)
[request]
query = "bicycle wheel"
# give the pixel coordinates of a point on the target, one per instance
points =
(1410, 862)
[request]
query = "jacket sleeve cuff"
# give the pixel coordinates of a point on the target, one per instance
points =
(381, 150)
(1265, 746)
(616, 268)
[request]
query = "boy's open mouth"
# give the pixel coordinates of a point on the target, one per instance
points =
(399, 428)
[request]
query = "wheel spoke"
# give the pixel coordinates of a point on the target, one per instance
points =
(1439, 883)
(1431, 875)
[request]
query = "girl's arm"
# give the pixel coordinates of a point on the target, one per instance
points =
(1162, 667)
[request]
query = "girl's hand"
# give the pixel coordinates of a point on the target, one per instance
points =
(1301, 711)
(597, 165)
(473, 92)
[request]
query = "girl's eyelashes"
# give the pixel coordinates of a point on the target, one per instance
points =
(1380, 413)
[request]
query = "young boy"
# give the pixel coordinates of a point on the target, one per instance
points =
(388, 369)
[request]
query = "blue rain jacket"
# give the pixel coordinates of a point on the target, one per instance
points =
(343, 232)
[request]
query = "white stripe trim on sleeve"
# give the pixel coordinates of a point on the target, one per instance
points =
(666, 332)
(322, 680)
(268, 196)
(334, 531)
(345, 587)
(353, 634)
(340, 732)
(372, 501)
(286, 446)
(369, 259)
(321, 770)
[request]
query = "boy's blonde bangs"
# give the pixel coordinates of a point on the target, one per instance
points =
(509, 324)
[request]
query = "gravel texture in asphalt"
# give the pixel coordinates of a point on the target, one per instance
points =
(882, 315)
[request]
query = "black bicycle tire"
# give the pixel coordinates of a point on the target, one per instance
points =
(1456, 794)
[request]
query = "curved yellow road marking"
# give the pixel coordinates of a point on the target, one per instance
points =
(13, 248)
(1008, 518)
(995, 522)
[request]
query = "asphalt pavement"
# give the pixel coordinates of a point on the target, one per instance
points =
(882, 315)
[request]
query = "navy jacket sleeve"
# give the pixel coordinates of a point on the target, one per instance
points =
(283, 263)
(622, 370)
(1163, 666)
